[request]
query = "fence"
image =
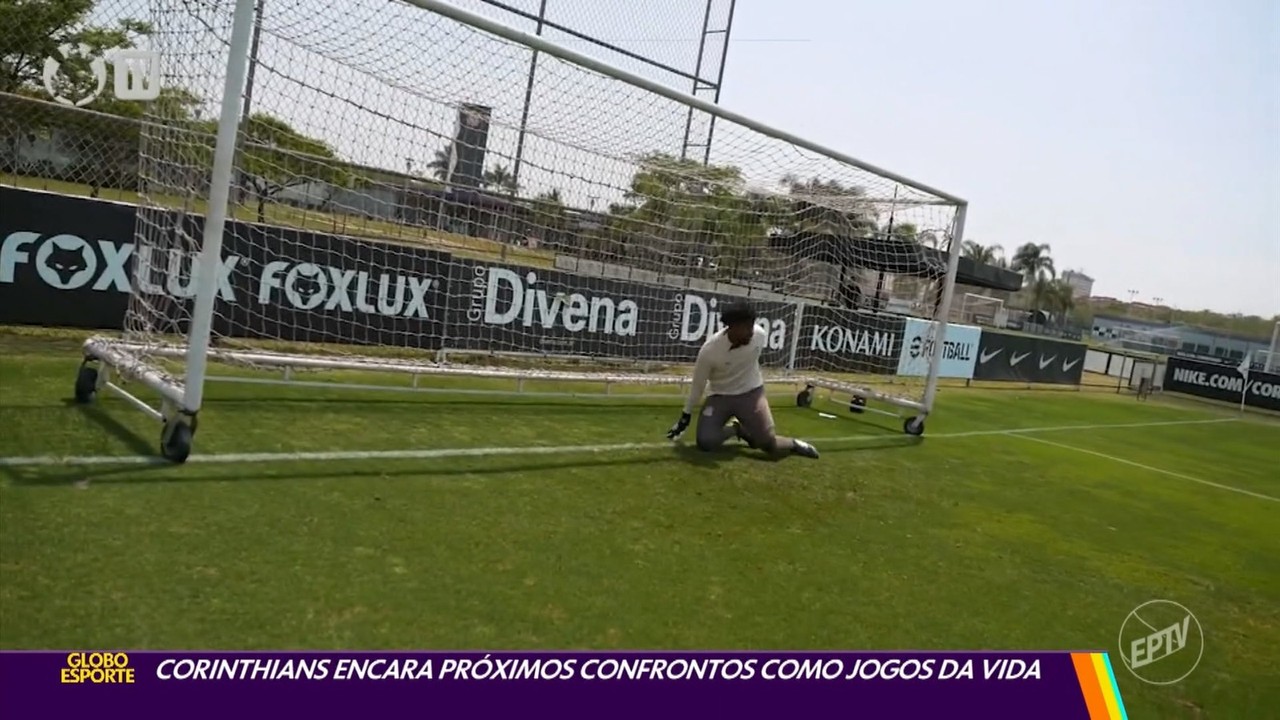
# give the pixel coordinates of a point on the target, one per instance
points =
(1122, 370)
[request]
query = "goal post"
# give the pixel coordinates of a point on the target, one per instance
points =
(360, 216)
(205, 268)
(1272, 362)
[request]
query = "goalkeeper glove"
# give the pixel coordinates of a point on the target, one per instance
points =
(681, 425)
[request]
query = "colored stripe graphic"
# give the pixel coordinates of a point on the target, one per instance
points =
(1111, 689)
(1098, 684)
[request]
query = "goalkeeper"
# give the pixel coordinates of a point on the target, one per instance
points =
(737, 405)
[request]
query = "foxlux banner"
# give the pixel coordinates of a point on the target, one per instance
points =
(1027, 358)
(1043, 685)
(1222, 382)
(72, 262)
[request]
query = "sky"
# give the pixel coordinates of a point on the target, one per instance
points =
(1139, 139)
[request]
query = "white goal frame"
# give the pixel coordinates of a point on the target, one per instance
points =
(968, 310)
(1273, 353)
(182, 399)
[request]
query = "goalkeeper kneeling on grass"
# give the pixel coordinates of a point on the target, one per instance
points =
(736, 405)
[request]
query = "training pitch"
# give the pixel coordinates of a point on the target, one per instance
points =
(311, 518)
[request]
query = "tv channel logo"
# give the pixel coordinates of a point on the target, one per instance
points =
(1161, 642)
(98, 668)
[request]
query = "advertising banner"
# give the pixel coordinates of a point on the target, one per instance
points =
(1029, 358)
(959, 350)
(1222, 382)
(74, 262)
(838, 340)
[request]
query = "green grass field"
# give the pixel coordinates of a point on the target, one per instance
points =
(974, 537)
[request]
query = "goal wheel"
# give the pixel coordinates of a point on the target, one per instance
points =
(86, 384)
(175, 440)
(805, 397)
(913, 426)
(858, 404)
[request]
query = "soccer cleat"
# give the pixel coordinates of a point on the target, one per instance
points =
(742, 434)
(802, 448)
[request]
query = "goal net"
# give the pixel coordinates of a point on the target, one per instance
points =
(354, 209)
(979, 310)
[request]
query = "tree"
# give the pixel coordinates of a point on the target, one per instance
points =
(1053, 296)
(695, 210)
(905, 232)
(828, 206)
(277, 157)
(112, 145)
(1034, 262)
(1062, 299)
(548, 213)
(34, 30)
(551, 196)
(985, 254)
(104, 149)
(439, 165)
(500, 177)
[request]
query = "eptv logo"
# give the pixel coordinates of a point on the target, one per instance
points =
(1161, 642)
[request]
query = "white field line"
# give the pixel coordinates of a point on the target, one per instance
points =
(440, 453)
(1149, 468)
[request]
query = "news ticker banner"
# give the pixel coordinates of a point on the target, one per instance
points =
(1044, 685)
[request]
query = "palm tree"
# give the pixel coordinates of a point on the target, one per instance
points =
(439, 165)
(1063, 298)
(985, 254)
(1034, 262)
(1056, 297)
(500, 177)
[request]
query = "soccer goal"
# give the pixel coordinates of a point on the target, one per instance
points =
(981, 310)
(360, 220)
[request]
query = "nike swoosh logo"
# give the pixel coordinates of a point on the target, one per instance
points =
(1015, 358)
(988, 355)
(1046, 363)
(1066, 366)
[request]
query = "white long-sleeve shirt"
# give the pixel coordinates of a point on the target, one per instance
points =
(728, 371)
